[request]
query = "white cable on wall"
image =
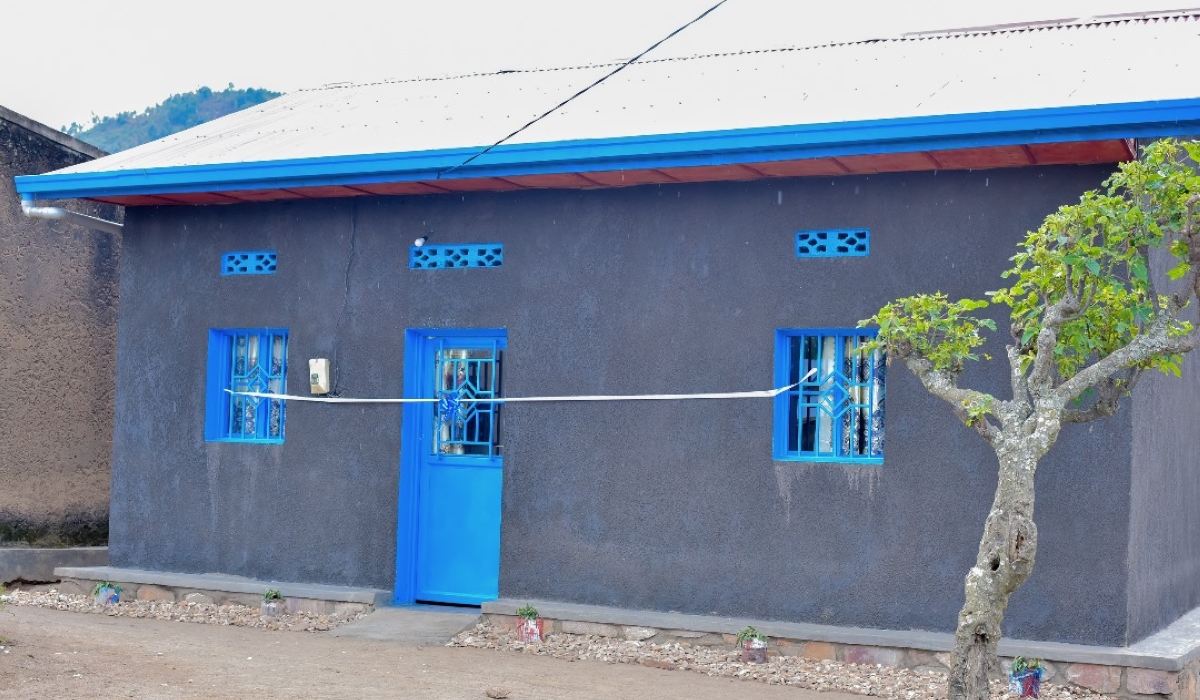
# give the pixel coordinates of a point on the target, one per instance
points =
(763, 394)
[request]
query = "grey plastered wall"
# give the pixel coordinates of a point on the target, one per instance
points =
(1164, 529)
(58, 317)
(673, 506)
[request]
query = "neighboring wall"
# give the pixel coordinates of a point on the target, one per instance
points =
(1164, 536)
(58, 314)
(671, 506)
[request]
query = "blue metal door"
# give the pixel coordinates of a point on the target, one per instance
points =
(453, 458)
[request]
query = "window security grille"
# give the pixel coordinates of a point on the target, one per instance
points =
(437, 257)
(250, 262)
(252, 361)
(465, 417)
(837, 413)
(833, 243)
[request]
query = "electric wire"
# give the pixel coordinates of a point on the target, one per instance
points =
(567, 101)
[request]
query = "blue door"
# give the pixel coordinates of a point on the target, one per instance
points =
(451, 471)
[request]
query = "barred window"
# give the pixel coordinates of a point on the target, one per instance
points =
(246, 360)
(836, 412)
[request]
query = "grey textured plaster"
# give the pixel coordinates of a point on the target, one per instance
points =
(1180, 639)
(226, 583)
(412, 624)
(58, 322)
(43, 131)
(650, 505)
(1164, 530)
(34, 564)
(1169, 650)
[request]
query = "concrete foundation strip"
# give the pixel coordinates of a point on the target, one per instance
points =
(763, 394)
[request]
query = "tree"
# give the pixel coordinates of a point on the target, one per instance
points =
(174, 114)
(1087, 320)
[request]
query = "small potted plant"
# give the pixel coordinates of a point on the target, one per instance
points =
(1025, 677)
(106, 593)
(753, 645)
(272, 603)
(529, 629)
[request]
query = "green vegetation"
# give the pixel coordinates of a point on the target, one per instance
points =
(527, 612)
(1086, 319)
(176, 113)
(101, 585)
(272, 594)
(749, 634)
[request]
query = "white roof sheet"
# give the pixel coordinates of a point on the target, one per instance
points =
(1060, 66)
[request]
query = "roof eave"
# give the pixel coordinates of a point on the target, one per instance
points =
(905, 134)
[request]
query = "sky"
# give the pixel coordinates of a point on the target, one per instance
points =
(66, 60)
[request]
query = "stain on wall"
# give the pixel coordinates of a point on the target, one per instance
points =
(671, 506)
(58, 314)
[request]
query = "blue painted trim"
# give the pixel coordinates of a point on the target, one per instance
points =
(779, 433)
(416, 370)
(214, 395)
(266, 262)
(452, 256)
(216, 401)
(829, 235)
(830, 460)
(876, 136)
(407, 512)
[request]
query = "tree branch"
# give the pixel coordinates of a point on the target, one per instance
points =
(1155, 341)
(1016, 377)
(1108, 398)
(944, 385)
(1041, 376)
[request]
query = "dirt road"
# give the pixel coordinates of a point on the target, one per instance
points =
(79, 656)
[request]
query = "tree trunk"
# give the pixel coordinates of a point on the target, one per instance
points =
(1006, 555)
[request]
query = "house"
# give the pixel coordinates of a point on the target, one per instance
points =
(707, 224)
(58, 323)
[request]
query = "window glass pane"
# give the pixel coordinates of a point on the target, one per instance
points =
(465, 417)
(255, 361)
(837, 412)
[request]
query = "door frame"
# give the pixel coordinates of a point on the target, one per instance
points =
(416, 368)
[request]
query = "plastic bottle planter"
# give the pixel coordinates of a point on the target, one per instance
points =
(754, 651)
(272, 605)
(106, 593)
(754, 646)
(1026, 683)
(529, 629)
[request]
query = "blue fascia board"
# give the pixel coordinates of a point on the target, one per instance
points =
(762, 144)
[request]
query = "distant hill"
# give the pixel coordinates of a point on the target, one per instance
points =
(176, 113)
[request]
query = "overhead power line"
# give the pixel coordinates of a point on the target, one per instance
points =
(567, 101)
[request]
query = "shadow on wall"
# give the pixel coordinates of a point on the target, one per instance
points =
(77, 528)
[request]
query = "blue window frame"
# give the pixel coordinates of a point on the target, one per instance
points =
(836, 414)
(253, 359)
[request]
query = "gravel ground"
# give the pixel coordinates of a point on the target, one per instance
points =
(88, 657)
(880, 681)
(239, 615)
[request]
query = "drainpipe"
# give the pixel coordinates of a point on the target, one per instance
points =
(56, 213)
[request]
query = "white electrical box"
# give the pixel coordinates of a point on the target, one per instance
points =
(318, 376)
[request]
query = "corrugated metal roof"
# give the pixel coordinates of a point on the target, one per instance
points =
(1059, 67)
